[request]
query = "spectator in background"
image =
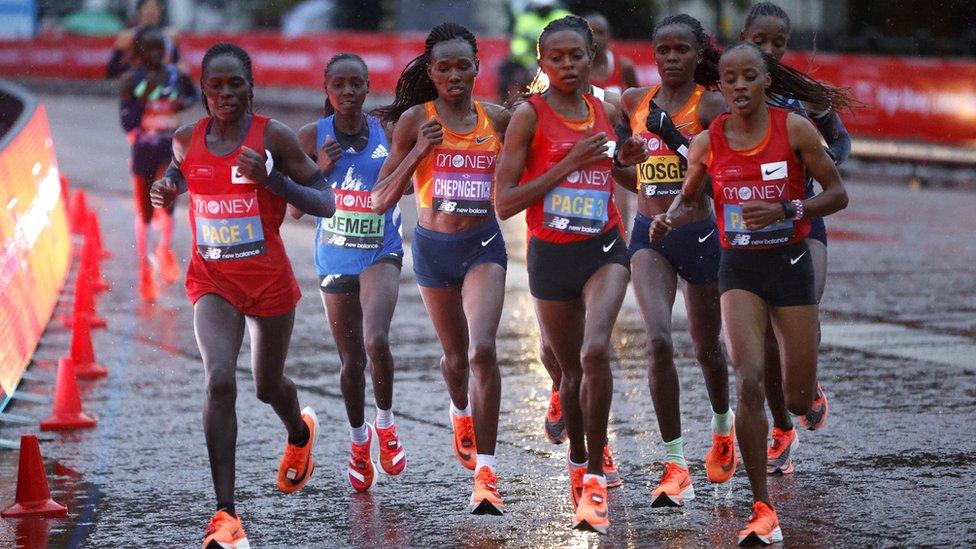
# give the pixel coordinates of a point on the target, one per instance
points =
(516, 72)
(149, 13)
(610, 72)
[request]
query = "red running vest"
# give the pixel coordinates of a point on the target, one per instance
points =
(770, 172)
(581, 206)
(237, 251)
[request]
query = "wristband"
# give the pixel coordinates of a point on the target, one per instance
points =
(617, 162)
(798, 204)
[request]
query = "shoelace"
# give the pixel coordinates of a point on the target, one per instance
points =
(670, 472)
(555, 408)
(466, 432)
(216, 521)
(487, 479)
(725, 447)
(360, 455)
(388, 439)
(292, 454)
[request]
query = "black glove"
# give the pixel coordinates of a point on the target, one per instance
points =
(659, 123)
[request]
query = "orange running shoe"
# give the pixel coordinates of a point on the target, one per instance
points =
(225, 532)
(147, 284)
(297, 465)
(721, 460)
(485, 499)
(575, 482)
(592, 513)
(763, 527)
(555, 425)
(675, 487)
(362, 470)
(779, 459)
(393, 458)
(169, 268)
(465, 448)
(816, 416)
(610, 471)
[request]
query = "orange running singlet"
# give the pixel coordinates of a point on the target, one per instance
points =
(662, 174)
(456, 177)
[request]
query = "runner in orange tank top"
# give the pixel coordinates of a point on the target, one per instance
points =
(758, 157)
(676, 110)
(558, 163)
(239, 273)
(446, 144)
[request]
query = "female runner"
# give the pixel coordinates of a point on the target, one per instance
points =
(151, 97)
(358, 255)
(239, 273)
(768, 27)
(557, 164)
(687, 61)
(758, 157)
(448, 142)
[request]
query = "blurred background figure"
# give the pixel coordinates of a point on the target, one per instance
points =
(611, 72)
(147, 14)
(528, 20)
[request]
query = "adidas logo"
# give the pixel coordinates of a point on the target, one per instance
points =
(380, 152)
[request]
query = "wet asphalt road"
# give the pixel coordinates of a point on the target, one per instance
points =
(894, 467)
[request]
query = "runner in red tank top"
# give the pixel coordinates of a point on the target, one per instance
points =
(757, 157)
(556, 163)
(239, 274)
(687, 61)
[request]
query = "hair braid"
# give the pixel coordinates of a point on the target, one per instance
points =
(766, 9)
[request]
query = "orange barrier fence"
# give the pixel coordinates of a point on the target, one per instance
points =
(915, 99)
(35, 243)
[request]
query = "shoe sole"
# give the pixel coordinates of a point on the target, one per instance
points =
(754, 539)
(457, 453)
(823, 419)
(486, 508)
(587, 527)
(560, 429)
(788, 469)
(311, 459)
(666, 500)
(243, 544)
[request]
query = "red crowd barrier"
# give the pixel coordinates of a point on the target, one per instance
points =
(914, 99)
(34, 245)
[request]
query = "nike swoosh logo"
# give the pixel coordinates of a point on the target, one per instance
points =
(794, 260)
(608, 246)
(663, 115)
(771, 172)
(482, 139)
(601, 514)
(486, 242)
(680, 126)
(727, 468)
(704, 238)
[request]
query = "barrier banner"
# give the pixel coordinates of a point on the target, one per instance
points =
(36, 245)
(915, 99)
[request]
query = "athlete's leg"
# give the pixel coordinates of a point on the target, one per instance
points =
(447, 315)
(655, 283)
(144, 213)
(562, 324)
(483, 295)
(379, 289)
(705, 324)
(603, 295)
(744, 318)
(796, 332)
(774, 365)
(269, 347)
(346, 324)
(219, 329)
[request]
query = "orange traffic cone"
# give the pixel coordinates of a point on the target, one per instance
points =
(90, 262)
(78, 213)
(84, 305)
(33, 496)
(67, 413)
(82, 354)
(96, 228)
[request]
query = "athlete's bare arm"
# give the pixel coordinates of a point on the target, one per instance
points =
(688, 203)
(626, 178)
(628, 72)
(805, 140)
(164, 191)
(711, 106)
(413, 137)
(499, 116)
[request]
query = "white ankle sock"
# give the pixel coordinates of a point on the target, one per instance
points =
(485, 460)
(360, 434)
(602, 479)
(461, 413)
(384, 418)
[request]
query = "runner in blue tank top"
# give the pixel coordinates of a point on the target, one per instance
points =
(358, 255)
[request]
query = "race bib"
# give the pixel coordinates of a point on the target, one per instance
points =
(661, 174)
(740, 237)
(228, 226)
(462, 181)
(580, 203)
(354, 224)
